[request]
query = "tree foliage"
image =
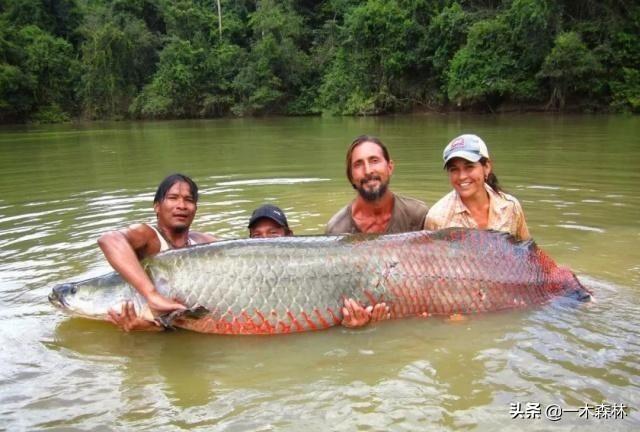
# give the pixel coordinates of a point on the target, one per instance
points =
(206, 58)
(570, 68)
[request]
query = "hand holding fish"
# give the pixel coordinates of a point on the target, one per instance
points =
(128, 320)
(354, 315)
(158, 303)
(380, 312)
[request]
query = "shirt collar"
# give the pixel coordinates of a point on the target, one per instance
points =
(497, 202)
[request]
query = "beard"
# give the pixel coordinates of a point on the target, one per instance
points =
(181, 228)
(372, 194)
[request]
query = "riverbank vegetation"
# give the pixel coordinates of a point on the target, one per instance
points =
(144, 59)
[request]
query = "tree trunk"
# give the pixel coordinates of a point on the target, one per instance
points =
(219, 19)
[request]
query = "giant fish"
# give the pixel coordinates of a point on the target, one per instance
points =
(294, 284)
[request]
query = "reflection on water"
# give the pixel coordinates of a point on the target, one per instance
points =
(576, 177)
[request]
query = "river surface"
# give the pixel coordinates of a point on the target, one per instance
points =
(556, 367)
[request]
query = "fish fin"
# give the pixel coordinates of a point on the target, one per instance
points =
(197, 311)
(165, 321)
(194, 312)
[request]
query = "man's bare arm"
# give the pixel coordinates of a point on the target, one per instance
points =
(124, 249)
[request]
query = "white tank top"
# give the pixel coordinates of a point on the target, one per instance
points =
(164, 245)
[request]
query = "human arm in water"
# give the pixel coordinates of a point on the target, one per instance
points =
(354, 315)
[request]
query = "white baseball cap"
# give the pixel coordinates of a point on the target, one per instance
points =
(467, 146)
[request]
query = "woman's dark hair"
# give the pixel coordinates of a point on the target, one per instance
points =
(491, 179)
(359, 140)
(169, 181)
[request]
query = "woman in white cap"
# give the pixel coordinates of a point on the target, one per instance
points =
(476, 201)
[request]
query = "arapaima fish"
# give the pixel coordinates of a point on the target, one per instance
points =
(294, 284)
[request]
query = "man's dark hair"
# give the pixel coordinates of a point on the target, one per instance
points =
(359, 140)
(169, 181)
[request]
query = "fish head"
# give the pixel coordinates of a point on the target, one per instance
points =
(60, 293)
(572, 287)
(92, 298)
(71, 298)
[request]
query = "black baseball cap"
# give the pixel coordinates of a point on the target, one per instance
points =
(271, 212)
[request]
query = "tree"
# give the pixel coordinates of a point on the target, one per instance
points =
(570, 68)
(369, 68)
(501, 56)
(51, 63)
(61, 18)
(446, 34)
(16, 85)
(277, 71)
(175, 90)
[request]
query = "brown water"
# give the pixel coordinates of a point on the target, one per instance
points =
(576, 176)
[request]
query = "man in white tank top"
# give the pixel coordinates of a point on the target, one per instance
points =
(175, 205)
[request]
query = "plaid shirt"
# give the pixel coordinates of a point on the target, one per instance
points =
(505, 214)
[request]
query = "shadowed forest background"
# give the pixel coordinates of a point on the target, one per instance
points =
(159, 59)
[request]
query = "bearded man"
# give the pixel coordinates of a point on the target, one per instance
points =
(375, 209)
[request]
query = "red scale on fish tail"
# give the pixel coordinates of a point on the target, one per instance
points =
(405, 301)
(294, 322)
(506, 297)
(284, 327)
(421, 300)
(238, 326)
(447, 301)
(394, 310)
(538, 292)
(265, 326)
(206, 324)
(252, 327)
(466, 299)
(417, 294)
(431, 291)
(401, 302)
(459, 302)
(323, 322)
(521, 295)
(540, 289)
(336, 318)
(534, 294)
(473, 300)
(546, 263)
(230, 327)
(310, 324)
(428, 301)
(415, 302)
(249, 325)
(372, 299)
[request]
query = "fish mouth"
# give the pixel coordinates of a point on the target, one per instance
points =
(59, 293)
(578, 291)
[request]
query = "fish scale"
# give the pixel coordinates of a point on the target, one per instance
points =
(292, 284)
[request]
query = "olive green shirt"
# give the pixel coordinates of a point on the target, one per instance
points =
(408, 214)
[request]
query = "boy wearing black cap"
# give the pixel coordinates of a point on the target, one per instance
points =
(268, 221)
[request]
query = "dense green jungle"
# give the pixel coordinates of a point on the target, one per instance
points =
(161, 59)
